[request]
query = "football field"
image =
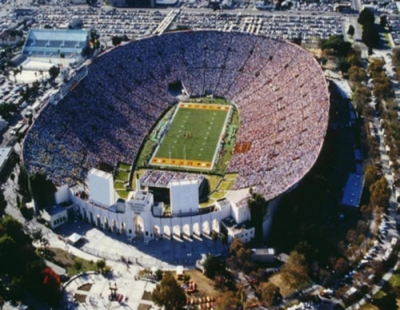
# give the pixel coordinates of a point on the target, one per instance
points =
(193, 136)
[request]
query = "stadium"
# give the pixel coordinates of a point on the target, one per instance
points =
(276, 88)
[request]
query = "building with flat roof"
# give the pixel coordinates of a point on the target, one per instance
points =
(54, 42)
(244, 231)
(5, 154)
(54, 216)
(353, 190)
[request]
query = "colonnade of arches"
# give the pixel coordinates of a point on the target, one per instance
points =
(186, 230)
(118, 227)
(198, 229)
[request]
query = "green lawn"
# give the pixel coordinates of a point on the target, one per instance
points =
(121, 175)
(202, 128)
(225, 185)
(386, 36)
(230, 176)
(67, 261)
(123, 193)
(213, 181)
(123, 166)
(395, 279)
(217, 195)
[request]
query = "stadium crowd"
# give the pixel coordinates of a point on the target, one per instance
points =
(278, 88)
(156, 178)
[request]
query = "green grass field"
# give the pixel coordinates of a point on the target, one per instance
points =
(204, 128)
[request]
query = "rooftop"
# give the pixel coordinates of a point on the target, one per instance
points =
(231, 224)
(55, 209)
(4, 154)
(353, 190)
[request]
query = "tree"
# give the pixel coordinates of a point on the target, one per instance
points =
(361, 97)
(366, 17)
(23, 182)
(383, 21)
(42, 190)
(37, 235)
(228, 301)
(116, 40)
(168, 293)
(351, 30)
(357, 74)
(370, 176)
(362, 227)
(341, 266)
(366, 212)
(309, 251)
(258, 207)
(396, 56)
(294, 272)
(159, 274)
(240, 257)
(342, 65)
(213, 266)
(370, 35)
(51, 286)
(337, 44)
(380, 193)
(235, 246)
(54, 71)
(3, 204)
(214, 236)
(269, 292)
(224, 239)
(101, 264)
(78, 265)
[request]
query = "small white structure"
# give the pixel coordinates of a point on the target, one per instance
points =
(244, 231)
(263, 255)
(101, 187)
(74, 238)
(54, 216)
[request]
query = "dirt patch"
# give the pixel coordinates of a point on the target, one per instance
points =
(85, 287)
(317, 52)
(144, 307)
(146, 296)
(80, 298)
(205, 286)
(277, 280)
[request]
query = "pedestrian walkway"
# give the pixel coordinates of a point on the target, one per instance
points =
(92, 291)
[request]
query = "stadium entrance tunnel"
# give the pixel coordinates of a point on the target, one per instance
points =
(175, 88)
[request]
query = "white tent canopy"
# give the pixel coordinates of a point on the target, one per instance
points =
(74, 238)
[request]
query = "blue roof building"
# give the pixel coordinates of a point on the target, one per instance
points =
(53, 42)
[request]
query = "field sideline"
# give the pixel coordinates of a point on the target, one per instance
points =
(193, 136)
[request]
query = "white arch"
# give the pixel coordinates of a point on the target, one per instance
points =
(91, 220)
(113, 226)
(206, 228)
(186, 230)
(123, 228)
(215, 225)
(166, 231)
(176, 230)
(98, 221)
(138, 225)
(156, 231)
(196, 229)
